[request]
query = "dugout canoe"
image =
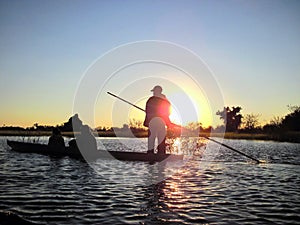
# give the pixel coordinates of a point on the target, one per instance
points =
(26, 147)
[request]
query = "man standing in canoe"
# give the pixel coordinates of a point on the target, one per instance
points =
(157, 118)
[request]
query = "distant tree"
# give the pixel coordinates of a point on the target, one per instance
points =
(276, 121)
(133, 123)
(293, 108)
(136, 126)
(274, 125)
(194, 126)
(231, 117)
(208, 129)
(35, 126)
(251, 121)
(11, 128)
(101, 128)
(291, 121)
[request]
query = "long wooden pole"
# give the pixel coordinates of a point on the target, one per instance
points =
(233, 149)
(227, 146)
(126, 101)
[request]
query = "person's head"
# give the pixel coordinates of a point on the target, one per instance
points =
(157, 90)
(55, 131)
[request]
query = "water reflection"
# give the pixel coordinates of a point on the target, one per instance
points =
(174, 200)
(156, 205)
(228, 190)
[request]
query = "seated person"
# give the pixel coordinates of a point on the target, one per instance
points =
(56, 141)
(87, 138)
(85, 141)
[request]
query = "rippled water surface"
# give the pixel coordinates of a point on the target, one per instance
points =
(221, 187)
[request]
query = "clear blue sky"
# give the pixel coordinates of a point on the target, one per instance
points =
(253, 48)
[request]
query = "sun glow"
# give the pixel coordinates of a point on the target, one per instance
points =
(190, 106)
(185, 108)
(188, 98)
(175, 116)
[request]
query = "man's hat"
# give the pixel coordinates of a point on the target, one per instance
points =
(157, 88)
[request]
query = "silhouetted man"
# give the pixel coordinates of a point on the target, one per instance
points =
(56, 141)
(157, 118)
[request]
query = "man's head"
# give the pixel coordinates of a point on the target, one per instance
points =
(157, 90)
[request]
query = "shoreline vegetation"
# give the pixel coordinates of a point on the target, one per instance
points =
(285, 129)
(280, 137)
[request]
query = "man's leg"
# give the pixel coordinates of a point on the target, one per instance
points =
(161, 137)
(151, 141)
(162, 147)
(157, 128)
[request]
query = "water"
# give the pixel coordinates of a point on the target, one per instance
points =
(221, 188)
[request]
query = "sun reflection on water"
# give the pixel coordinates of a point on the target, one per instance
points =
(185, 145)
(174, 193)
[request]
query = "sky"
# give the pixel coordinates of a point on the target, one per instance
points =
(252, 49)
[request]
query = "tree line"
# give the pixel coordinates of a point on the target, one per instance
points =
(234, 121)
